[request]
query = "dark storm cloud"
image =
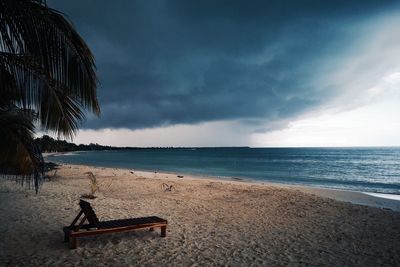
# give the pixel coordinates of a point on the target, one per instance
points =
(169, 62)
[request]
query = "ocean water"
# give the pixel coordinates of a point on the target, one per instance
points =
(360, 169)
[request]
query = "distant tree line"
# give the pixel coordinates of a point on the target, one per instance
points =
(48, 144)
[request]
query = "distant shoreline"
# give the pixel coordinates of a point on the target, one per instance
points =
(315, 168)
(377, 200)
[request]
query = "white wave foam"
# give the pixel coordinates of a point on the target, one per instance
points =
(387, 196)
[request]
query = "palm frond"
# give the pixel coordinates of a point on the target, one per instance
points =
(47, 77)
(56, 106)
(19, 155)
(41, 49)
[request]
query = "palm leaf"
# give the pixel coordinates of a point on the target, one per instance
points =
(47, 78)
(19, 155)
(41, 49)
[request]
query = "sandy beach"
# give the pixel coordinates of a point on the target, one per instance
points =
(211, 223)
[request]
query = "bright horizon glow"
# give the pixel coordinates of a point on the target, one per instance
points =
(374, 124)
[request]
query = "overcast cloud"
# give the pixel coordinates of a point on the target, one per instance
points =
(255, 64)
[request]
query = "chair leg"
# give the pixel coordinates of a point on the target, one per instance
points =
(66, 237)
(66, 234)
(163, 231)
(73, 242)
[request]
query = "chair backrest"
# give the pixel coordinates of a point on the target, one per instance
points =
(89, 213)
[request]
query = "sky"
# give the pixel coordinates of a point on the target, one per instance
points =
(242, 73)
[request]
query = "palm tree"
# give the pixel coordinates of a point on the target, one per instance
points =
(47, 79)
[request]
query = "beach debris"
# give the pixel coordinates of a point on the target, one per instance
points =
(106, 186)
(88, 196)
(180, 176)
(167, 187)
(51, 176)
(133, 173)
(94, 186)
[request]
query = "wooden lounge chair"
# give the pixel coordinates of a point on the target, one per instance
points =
(95, 227)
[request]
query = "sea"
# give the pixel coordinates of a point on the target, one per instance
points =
(375, 170)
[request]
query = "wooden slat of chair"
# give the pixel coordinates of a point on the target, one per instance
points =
(72, 232)
(115, 230)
